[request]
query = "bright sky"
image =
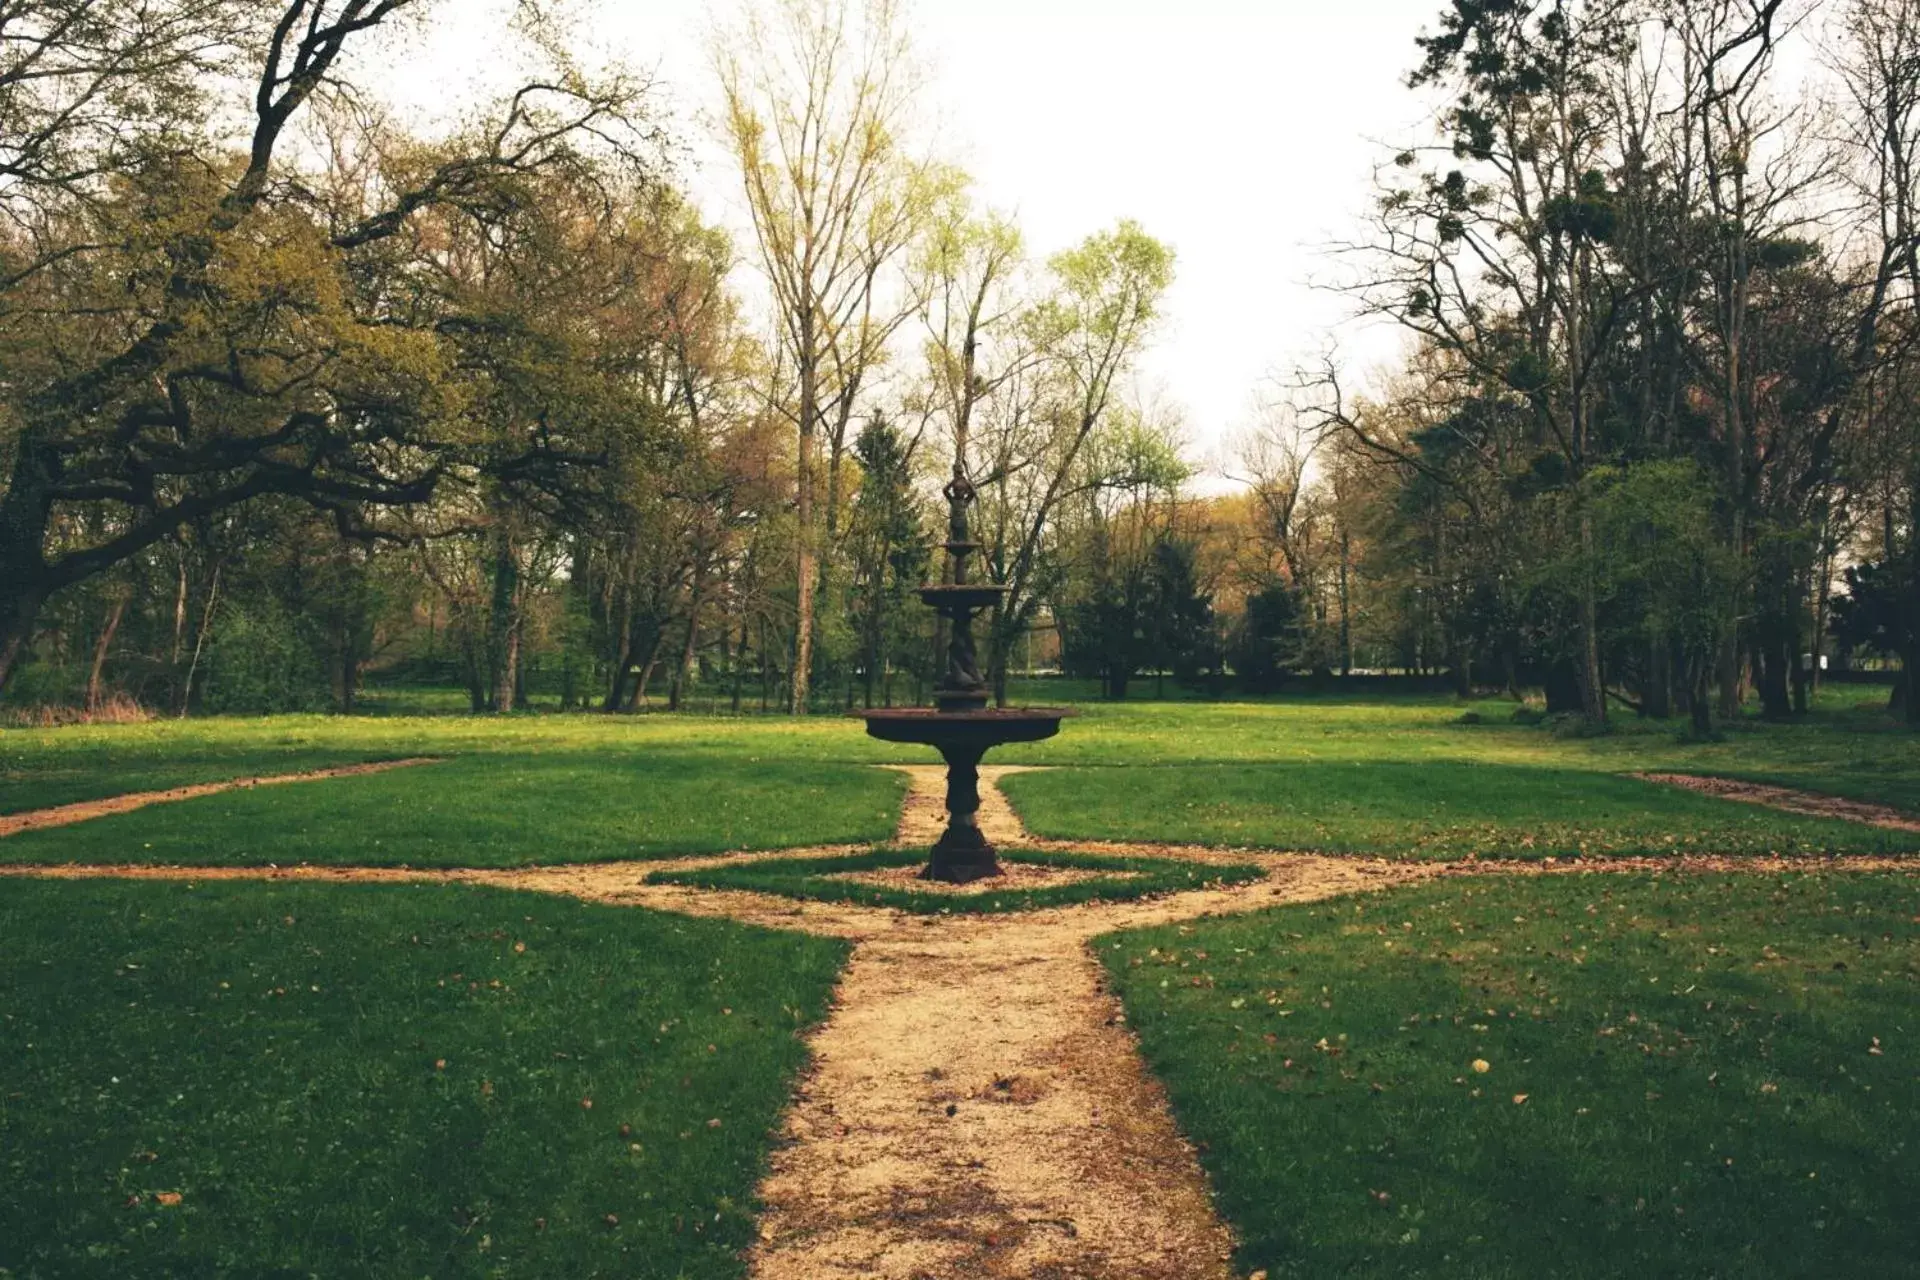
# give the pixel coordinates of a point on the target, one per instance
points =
(1242, 133)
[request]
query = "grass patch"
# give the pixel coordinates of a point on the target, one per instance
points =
(1432, 809)
(385, 1081)
(44, 767)
(36, 781)
(496, 811)
(1702, 1076)
(812, 878)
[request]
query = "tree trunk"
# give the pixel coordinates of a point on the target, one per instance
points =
(1775, 637)
(623, 662)
(1822, 609)
(1699, 702)
(1346, 616)
(1561, 683)
(1656, 699)
(503, 623)
(349, 674)
(200, 643)
(25, 509)
(1593, 693)
(511, 692)
(638, 698)
(20, 605)
(807, 561)
(179, 611)
(473, 660)
(102, 645)
(1910, 652)
(690, 649)
(739, 664)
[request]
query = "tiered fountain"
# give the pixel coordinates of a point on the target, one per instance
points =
(959, 724)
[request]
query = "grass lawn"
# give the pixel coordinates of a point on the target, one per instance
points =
(46, 769)
(1436, 808)
(259, 1080)
(1847, 746)
(492, 810)
(1591, 1076)
(1394, 774)
(43, 767)
(813, 878)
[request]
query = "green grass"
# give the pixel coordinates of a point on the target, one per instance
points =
(1697, 1058)
(40, 776)
(271, 1056)
(1311, 744)
(1435, 808)
(496, 811)
(42, 767)
(811, 878)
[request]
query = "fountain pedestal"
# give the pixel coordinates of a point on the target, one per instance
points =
(963, 852)
(959, 724)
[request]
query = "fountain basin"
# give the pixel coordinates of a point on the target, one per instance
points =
(979, 730)
(963, 853)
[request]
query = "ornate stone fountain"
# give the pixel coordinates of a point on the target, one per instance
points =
(959, 724)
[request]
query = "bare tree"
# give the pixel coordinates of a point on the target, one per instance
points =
(816, 98)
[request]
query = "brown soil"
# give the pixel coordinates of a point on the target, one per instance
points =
(1812, 803)
(63, 815)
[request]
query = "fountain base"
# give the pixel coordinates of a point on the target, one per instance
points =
(963, 853)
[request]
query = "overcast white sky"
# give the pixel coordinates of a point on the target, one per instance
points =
(1242, 133)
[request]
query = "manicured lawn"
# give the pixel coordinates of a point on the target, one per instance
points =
(1848, 746)
(42, 767)
(1843, 746)
(497, 810)
(813, 878)
(1434, 808)
(41, 775)
(253, 1080)
(1683, 1076)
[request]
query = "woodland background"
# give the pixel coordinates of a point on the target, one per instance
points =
(296, 396)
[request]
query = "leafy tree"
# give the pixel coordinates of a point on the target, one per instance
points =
(196, 330)
(891, 556)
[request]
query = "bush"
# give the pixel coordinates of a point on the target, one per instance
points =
(258, 663)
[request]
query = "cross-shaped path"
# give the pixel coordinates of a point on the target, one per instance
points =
(976, 1105)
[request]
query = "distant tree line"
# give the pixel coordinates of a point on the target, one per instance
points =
(293, 393)
(1655, 442)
